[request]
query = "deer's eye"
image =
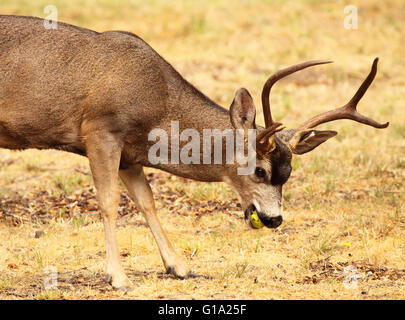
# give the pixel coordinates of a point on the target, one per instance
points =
(260, 172)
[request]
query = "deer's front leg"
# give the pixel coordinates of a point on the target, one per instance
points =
(139, 190)
(104, 154)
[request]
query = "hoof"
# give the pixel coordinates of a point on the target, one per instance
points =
(170, 270)
(108, 278)
(192, 275)
(189, 275)
(125, 286)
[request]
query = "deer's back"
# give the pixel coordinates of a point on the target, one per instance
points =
(53, 80)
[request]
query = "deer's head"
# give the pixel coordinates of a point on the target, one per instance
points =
(262, 190)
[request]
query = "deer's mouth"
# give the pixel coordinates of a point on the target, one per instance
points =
(253, 222)
(261, 220)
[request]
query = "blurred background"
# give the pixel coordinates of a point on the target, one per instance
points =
(220, 45)
(345, 200)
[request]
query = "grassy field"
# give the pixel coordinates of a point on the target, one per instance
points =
(344, 203)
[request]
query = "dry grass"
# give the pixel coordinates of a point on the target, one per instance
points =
(344, 203)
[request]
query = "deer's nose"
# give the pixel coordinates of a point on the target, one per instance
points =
(271, 222)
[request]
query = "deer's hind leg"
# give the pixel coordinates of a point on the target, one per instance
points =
(141, 193)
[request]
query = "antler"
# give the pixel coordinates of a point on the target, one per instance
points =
(348, 111)
(277, 76)
(264, 140)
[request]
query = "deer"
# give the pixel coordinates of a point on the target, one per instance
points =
(98, 94)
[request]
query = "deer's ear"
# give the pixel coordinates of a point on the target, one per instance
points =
(306, 140)
(243, 111)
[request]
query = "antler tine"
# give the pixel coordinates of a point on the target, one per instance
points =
(277, 76)
(269, 131)
(265, 139)
(349, 110)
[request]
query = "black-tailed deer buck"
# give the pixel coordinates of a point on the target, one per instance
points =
(100, 94)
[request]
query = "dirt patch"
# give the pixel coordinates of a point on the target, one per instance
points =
(359, 270)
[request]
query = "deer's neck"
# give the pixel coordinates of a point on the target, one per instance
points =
(187, 111)
(193, 109)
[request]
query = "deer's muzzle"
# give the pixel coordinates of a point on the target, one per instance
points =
(269, 222)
